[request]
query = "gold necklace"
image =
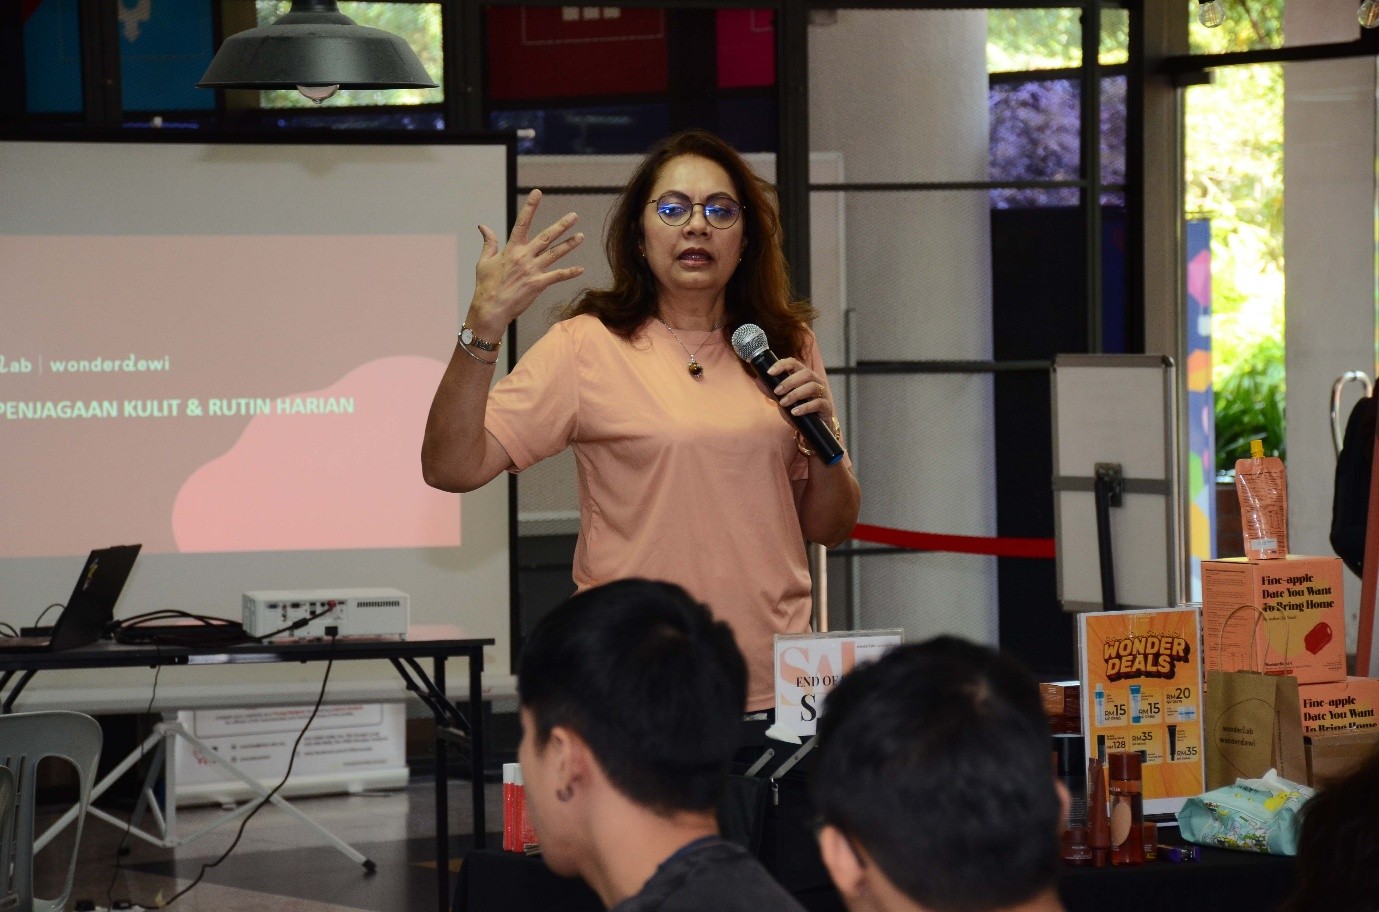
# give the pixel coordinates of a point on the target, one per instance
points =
(696, 370)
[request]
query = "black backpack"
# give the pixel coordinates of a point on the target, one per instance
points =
(1350, 500)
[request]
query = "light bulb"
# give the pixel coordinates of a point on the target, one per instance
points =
(1369, 14)
(318, 94)
(1212, 13)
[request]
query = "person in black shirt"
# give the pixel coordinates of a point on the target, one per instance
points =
(934, 786)
(630, 702)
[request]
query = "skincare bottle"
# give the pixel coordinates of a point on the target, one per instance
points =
(1098, 824)
(1134, 704)
(1127, 807)
(1099, 695)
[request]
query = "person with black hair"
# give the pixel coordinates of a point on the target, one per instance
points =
(630, 700)
(1338, 846)
(934, 787)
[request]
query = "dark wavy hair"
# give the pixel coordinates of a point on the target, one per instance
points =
(759, 291)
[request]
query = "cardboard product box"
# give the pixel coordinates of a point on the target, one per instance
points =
(1063, 706)
(1340, 706)
(1332, 757)
(1283, 617)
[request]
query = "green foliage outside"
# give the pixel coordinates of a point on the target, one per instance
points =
(1234, 175)
(1250, 25)
(1249, 405)
(419, 24)
(1050, 39)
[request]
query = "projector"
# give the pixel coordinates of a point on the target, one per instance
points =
(326, 612)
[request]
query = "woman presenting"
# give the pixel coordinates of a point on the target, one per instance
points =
(689, 469)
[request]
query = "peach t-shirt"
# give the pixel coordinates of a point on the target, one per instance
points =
(688, 480)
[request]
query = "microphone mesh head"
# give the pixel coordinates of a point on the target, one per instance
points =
(749, 341)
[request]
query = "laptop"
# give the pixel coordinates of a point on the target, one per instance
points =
(91, 607)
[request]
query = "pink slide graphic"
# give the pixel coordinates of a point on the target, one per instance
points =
(333, 468)
(140, 394)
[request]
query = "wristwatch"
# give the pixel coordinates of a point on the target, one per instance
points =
(468, 338)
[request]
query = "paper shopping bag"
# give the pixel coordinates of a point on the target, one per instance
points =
(1253, 724)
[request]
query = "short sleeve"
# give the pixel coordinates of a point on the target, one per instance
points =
(534, 410)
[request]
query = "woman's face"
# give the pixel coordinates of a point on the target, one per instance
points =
(694, 258)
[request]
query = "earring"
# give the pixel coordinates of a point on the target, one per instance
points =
(566, 793)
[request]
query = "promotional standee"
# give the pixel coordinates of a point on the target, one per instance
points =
(1141, 692)
(808, 665)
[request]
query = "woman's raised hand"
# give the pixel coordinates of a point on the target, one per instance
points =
(508, 280)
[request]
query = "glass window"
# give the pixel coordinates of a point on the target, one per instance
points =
(418, 23)
(550, 52)
(746, 48)
(1234, 174)
(1050, 39)
(164, 50)
(1250, 25)
(52, 57)
(1033, 39)
(1115, 37)
(603, 129)
(1035, 136)
(629, 76)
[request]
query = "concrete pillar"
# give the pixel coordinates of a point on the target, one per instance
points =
(1329, 257)
(903, 96)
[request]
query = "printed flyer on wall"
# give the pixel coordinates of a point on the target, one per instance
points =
(1142, 691)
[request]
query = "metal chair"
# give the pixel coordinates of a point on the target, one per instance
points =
(25, 740)
(9, 900)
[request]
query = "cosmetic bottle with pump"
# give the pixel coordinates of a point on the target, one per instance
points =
(1127, 807)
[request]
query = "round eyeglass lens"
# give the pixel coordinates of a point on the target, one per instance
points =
(720, 211)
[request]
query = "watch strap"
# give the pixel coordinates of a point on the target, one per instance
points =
(468, 338)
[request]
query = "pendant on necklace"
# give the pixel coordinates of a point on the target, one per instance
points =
(696, 370)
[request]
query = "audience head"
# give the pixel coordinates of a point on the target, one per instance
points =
(934, 784)
(639, 677)
(1338, 846)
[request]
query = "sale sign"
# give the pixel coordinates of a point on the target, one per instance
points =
(1142, 691)
(808, 665)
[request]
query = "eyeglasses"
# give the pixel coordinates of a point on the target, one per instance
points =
(675, 209)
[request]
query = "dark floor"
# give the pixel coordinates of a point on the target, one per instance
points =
(280, 863)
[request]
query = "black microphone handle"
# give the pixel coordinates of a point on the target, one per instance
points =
(820, 438)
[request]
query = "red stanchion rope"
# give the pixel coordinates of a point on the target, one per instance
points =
(960, 544)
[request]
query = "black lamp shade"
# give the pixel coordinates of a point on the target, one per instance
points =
(315, 45)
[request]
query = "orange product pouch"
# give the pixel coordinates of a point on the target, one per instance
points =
(1262, 484)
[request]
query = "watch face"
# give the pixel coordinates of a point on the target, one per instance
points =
(467, 336)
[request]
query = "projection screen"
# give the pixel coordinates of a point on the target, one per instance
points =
(225, 350)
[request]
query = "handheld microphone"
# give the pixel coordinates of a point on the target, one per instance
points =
(749, 341)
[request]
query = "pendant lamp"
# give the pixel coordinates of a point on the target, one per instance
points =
(317, 50)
